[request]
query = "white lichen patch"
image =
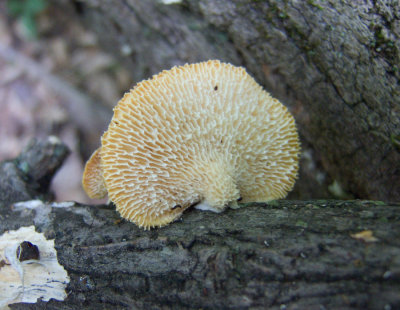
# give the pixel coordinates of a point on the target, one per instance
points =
(167, 2)
(43, 210)
(54, 140)
(32, 279)
(204, 206)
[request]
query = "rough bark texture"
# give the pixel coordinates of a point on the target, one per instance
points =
(276, 255)
(28, 176)
(281, 255)
(334, 63)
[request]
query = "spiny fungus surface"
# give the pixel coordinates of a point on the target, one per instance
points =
(204, 132)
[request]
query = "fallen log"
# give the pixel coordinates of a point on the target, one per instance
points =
(317, 254)
(276, 255)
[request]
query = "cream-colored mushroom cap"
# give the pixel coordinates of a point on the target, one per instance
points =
(203, 132)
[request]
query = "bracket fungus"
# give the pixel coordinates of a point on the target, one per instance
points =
(202, 133)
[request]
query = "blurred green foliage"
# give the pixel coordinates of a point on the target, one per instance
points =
(26, 11)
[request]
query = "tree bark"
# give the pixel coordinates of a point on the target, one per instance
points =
(313, 254)
(334, 63)
(29, 175)
(278, 255)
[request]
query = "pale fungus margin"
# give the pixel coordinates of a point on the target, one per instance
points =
(202, 133)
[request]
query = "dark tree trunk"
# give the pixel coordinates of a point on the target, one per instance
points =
(334, 63)
(281, 255)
